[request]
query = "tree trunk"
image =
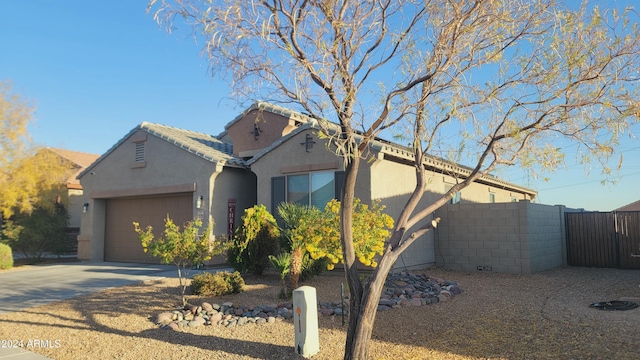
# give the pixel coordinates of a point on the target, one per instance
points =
(296, 268)
(350, 265)
(355, 298)
(361, 326)
(183, 285)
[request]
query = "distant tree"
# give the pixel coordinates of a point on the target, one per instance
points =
(27, 175)
(32, 206)
(184, 247)
(487, 83)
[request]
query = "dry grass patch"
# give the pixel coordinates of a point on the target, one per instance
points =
(538, 316)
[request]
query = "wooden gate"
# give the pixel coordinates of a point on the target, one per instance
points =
(598, 239)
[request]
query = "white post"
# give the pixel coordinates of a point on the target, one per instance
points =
(305, 321)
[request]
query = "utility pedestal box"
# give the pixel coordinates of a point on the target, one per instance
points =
(305, 321)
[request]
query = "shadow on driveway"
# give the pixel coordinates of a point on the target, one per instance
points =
(43, 284)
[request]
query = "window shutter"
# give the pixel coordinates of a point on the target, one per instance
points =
(278, 191)
(339, 183)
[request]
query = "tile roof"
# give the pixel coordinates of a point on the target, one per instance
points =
(80, 158)
(272, 108)
(80, 161)
(203, 145)
(213, 149)
(634, 206)
(440, 164)
(395, 150)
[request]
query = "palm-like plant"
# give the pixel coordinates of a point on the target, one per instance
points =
(296, 223)
(282, 263)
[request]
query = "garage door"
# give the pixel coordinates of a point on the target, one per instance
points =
(121, 241)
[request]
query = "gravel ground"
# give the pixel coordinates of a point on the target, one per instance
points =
(540, 316)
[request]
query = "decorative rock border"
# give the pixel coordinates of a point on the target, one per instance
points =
(408, 289)
(225, 315)
(402, 289)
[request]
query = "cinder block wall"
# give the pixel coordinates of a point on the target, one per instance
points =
(545, 237)
(513, 238)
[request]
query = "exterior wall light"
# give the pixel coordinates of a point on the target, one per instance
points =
(85, 207)
(308, 143)
(256, 131)
(199, 201)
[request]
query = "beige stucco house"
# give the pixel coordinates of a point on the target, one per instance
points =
(152, 172)
(266, 155)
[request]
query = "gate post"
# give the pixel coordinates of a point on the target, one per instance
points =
(305, 321)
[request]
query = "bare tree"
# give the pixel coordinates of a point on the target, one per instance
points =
(497, 82)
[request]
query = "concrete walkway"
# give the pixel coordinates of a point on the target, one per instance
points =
(20, 354)
(29, 286)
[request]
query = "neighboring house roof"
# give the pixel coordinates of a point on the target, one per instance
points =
(79, 161)
(634, 206)
(203, 145)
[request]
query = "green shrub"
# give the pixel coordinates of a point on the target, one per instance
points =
(6, 257)
(282, 264)
(312, 268)
(299, 224)
(217, 284)
(36, 233)
(254, 240)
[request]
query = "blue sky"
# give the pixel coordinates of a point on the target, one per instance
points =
(96, 69)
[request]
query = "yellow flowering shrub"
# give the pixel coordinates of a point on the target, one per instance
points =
(371, 228)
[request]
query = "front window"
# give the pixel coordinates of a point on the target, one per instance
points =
(313, 189)
(298, 189)
(456, 197)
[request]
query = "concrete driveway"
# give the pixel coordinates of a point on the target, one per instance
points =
(42, 284)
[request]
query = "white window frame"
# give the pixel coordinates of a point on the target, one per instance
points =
(310, 185)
